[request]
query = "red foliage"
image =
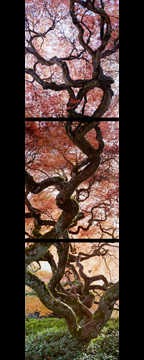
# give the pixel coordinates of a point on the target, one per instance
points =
(49, 152)
(61, 42)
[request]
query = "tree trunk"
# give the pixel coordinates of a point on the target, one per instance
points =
(102, 314)
(89, 330)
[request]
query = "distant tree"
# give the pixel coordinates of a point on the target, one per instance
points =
(73, 298)
(72, 58)
(59, 158)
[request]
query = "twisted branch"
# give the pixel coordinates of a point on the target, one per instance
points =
(64, 200)
(98, 79)
(92, 162)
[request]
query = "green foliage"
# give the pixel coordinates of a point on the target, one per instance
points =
(30, 293)
(107, 344)
(50, 339)
(34, 326)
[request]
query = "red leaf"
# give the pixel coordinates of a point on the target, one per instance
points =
(74, 101)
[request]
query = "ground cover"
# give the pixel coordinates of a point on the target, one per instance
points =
(49, 339)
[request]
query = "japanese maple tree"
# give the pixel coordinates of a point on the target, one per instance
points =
(71, 179)
(71, 58)
(71, 292)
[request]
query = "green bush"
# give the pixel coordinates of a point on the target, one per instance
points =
(50, 339)
(106, 346)
(34, 326)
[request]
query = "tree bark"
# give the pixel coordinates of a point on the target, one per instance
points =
(102, 314)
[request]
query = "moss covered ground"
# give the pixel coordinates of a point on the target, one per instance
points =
(50, 339)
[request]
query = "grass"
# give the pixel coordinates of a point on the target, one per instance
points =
(50, 339)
